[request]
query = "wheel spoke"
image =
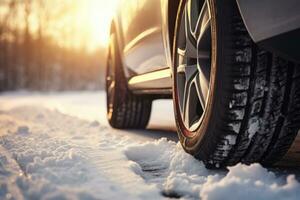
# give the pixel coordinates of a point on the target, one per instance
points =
(205, 31)
(191, 42)
(182, 34)
(181, 68)
(203, 21)
(191, 101)
(186, 104)
(204, 69)
(204, 43)
(189, 71)
(181, 52)
(193, 9)
(201, 88)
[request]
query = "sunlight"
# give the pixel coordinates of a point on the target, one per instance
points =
(89, 22)
(98, 15)
(92, 22)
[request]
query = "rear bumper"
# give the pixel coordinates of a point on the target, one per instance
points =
(274, 24)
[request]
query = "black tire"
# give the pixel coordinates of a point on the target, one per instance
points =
(252, 112)
(124, 109)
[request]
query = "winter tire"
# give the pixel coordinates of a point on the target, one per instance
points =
(233, 101)
(124, 109)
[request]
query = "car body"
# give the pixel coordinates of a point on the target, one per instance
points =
(146, 29)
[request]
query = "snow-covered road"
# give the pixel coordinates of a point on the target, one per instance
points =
(59, 146)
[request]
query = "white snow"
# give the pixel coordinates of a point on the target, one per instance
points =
(179, 174)
(231, 139)
(235, 127)
(242, 84)
(254, 126)
(59, 146)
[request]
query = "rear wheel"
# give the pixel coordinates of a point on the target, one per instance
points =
(233, 101)
(124, 109)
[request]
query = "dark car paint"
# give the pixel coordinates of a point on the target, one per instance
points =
(274, 24)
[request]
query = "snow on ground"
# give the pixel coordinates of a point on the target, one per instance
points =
(59, 146)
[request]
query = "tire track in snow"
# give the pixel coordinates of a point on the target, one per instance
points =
(70, 153)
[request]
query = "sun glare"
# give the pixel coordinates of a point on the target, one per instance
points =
(93, 21)
(100, 13)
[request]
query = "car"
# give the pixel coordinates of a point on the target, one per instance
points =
(231, 68)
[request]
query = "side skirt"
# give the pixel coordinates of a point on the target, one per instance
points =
(152, 83)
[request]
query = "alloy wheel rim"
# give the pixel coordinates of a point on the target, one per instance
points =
(193, 60)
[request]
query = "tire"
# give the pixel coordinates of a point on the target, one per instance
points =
(252, 110)
(124, 109)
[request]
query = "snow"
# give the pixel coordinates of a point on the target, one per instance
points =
(231, 139)
(235, 126)
(250, 182)
(59, 146)
(178, 174)
(241, 84)
(254, 126)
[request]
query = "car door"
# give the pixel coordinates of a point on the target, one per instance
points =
(141, 23)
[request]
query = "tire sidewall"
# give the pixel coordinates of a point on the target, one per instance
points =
(120, 89)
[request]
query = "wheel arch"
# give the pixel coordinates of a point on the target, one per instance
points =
(117, 30)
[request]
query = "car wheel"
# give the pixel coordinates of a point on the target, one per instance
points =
(233, 102)
(124, 109)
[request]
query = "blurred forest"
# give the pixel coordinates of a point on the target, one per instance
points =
(33, 55)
